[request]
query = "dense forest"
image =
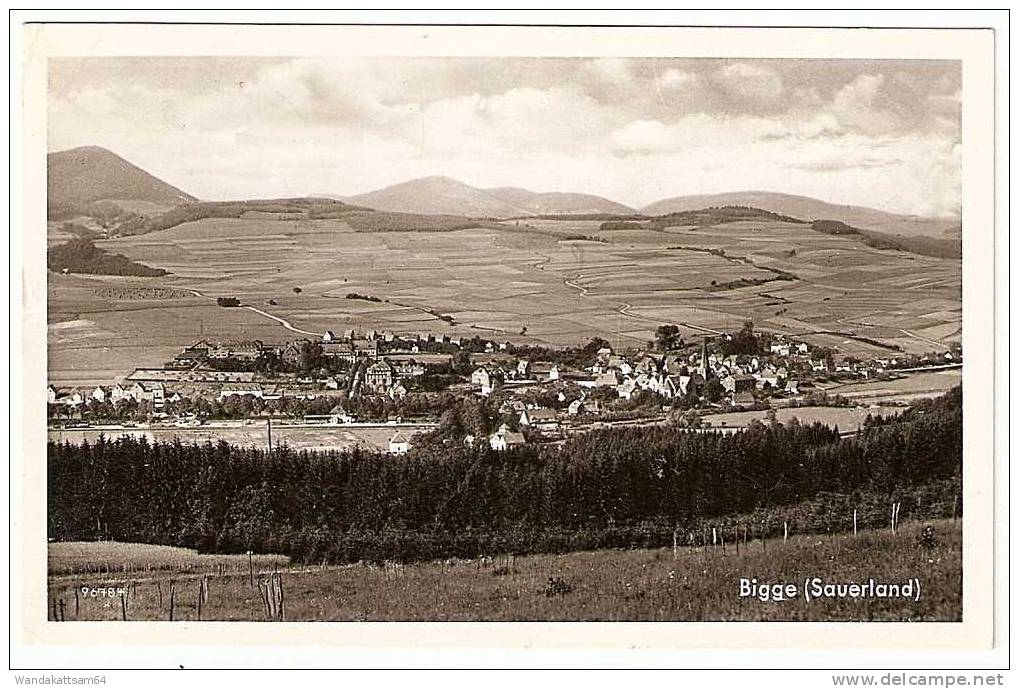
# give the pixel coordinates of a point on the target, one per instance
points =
(82, 256)
(609, 488)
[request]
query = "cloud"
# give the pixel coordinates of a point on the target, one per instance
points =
(747, 83)
(633, 130)
(674, 79)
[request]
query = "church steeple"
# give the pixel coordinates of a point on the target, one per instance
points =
(704, 359)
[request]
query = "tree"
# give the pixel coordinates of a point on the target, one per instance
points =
(743, 342)
(713, 390)
(667, 337)
(297, 290)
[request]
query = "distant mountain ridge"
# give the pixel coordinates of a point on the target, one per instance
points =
(810, 209)
(92, 180)
(448, 196)
(89, 174)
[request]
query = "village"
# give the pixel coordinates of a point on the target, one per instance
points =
(537, 394)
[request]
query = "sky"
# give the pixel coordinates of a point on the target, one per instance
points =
(878, 133)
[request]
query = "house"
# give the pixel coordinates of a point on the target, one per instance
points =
(51, 394)
(627, 388)
(482, 379)
(523, 367)
(780, 348)
(338, 415)
(247, 350)
(149, 392)
(368, 349)
(675, 386)
(766, 377)
(343, 351)
(399, 444)
(802, 348)
(544, 420)
(332, 383)
(553, 373)
(818, 365)
(73, 398)
(398, 391)
(738, 383)
(99, 395)
(576, 407)
(606, 379)
(328, 336)
(118, 392)
(793, 387)
(408, 369)
(379, 376)
(504, 438)
(291, 354)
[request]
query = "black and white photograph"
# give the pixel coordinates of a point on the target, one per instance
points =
(432, 335)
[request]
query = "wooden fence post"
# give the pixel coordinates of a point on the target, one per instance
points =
(854, 522)
(76, 603)
(785, 531)
(283, 609)
(123, 607)
(173, 593)
(251, 570)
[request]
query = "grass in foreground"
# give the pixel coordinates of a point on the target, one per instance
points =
(697, 584)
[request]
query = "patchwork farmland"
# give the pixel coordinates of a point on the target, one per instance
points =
(829, 290)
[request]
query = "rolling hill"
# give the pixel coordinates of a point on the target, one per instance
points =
(80, 177)
(557, 202)
(447, 196)
(810, 209)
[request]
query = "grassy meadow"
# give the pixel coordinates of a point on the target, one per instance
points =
(666, 584)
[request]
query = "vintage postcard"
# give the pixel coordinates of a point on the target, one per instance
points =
(407, 324)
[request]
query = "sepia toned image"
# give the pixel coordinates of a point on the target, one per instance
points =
(466, 326)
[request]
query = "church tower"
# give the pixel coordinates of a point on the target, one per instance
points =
(704, 359)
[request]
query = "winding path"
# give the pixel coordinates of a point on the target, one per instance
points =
(922, 338)
(282, 321)
(285, 323)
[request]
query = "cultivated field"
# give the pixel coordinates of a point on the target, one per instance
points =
(495, 282)
(255, 435)
(688, 584)
(846, 418)
(904, 389)
(112, 558)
